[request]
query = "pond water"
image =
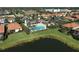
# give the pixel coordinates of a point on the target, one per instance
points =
(42, 45)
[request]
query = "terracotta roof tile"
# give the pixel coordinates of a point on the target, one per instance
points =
(77, 16)
(69, 17)
(71, 25)
(13, 26)
(1, 28)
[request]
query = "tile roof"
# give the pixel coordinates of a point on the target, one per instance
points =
(71, 25)
(77, 16)
(1, 28)
(69, 17)
(13, 26)
(10, 16)
(10, 19)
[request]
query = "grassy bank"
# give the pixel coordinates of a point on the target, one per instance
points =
(18, 38)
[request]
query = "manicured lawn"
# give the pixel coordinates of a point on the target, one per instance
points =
(18, 38)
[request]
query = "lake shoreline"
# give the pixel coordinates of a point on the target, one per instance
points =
(50, 33)
(41, 45)
(40, 38)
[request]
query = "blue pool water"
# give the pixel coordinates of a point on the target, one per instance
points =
(38, 27)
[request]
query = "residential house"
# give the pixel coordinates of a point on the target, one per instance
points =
(2, 20)
(41, 21)
(75, 32)
(66, 28)
(14, 27)
(71, 25)
(4, 12)
(70, 18)
(30, 12)
(2, 31)
(76, 16)
(49, 10)
(10, 18)
(25, 20)
(46, 15)
(19, 15)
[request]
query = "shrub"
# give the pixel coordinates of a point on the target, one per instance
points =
(26, 29)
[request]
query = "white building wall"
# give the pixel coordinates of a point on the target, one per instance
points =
(17, 30)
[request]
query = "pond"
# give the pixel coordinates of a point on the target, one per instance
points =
(42, 45)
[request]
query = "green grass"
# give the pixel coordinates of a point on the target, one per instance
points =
(21, 37)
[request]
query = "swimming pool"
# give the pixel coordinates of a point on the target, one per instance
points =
(39, 26)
